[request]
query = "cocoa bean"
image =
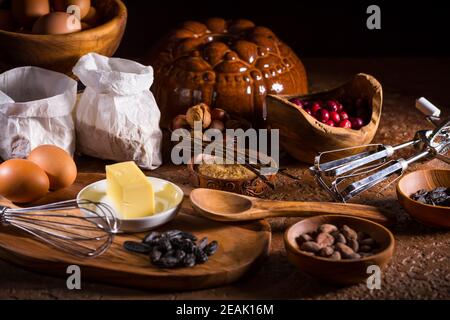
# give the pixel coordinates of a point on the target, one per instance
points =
(336, 256)
(368, 242)
(354, 245)
(349, 233)
(365, 248)
(324, 239)
(327, 228)
(339, 238)
(310, 246)
(345, 251)
(326, 251)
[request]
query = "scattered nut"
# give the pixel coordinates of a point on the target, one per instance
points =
(180, 122)
(217, 124)
(201, 113)
(218, 114)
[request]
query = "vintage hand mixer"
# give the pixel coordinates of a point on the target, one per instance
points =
(347, 177)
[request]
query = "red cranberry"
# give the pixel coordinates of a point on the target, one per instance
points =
(330, 123)
(323, 115)
(343, 115)
(308, 111)
(340, 107)
(357, 123)
(332, 105)
(345, 124)
(297, 101)
(334, 116)
(315, 107)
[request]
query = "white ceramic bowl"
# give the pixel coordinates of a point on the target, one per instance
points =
(167, 206)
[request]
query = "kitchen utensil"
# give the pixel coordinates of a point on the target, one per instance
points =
(87, 235)
(303, 137)
(348, 176)
(341, 272)
(435, 216)
(167, 204)
(227, 206)
(61, 52)
(242, 247)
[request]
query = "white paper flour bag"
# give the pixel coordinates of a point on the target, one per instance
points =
(36, 108)
(117, 117)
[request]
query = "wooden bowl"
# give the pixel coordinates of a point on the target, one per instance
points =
(434, 216)
(303, 137)
(341, 272)
(61, 52)
(254, 187)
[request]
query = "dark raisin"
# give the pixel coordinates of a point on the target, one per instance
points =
(211, 248)
(189, 260)
(155, 255)
(180, 254)
(149, 238)
(168, 262)
(200, 256)
(137, 247)
(165, 245)
(203, 243)
(188, 235)
(172, 233)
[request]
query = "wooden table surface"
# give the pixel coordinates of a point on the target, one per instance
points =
(420, 268)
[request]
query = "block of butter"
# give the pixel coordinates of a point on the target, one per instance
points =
(130, 190)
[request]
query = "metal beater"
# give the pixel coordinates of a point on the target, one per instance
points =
(349, 176)
(83, 234)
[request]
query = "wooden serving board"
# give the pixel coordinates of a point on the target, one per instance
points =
(241, 247)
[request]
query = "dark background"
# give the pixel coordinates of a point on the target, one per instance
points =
(313, 28)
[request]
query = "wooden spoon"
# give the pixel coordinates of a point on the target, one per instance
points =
(226, 206)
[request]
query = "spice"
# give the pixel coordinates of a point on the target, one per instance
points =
(329, 241)
(225, 171)
(174, 248)
(437, 197)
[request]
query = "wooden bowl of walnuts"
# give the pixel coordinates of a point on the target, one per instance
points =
(339, 249)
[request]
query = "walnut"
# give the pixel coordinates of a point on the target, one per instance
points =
(201, 113)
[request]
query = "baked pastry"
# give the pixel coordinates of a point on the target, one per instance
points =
(230, 65)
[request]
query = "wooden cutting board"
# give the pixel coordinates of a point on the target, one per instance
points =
(241, 247)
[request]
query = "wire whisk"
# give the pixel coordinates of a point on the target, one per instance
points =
(81, 228)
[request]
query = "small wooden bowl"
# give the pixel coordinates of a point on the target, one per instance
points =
(303, 137)
(254, 187)
(340, 272)
(61, 52)
(434, 216)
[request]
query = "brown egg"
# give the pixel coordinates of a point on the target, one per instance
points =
(62, 5)
(22, 181)
(6, 20)
(57, 164)
(26, 12)
(92, 17)
(57, 23)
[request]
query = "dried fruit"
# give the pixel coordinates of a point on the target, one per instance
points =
(137, 247)
(173, 248)
(437, 197)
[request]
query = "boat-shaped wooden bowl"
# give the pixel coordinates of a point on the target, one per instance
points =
(339, 272)
(303, 137)
(61, 52)
(434, 216)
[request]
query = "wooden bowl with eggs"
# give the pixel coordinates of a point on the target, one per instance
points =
(102, 30)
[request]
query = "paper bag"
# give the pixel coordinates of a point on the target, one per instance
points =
(117, 117)
(35, 108)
